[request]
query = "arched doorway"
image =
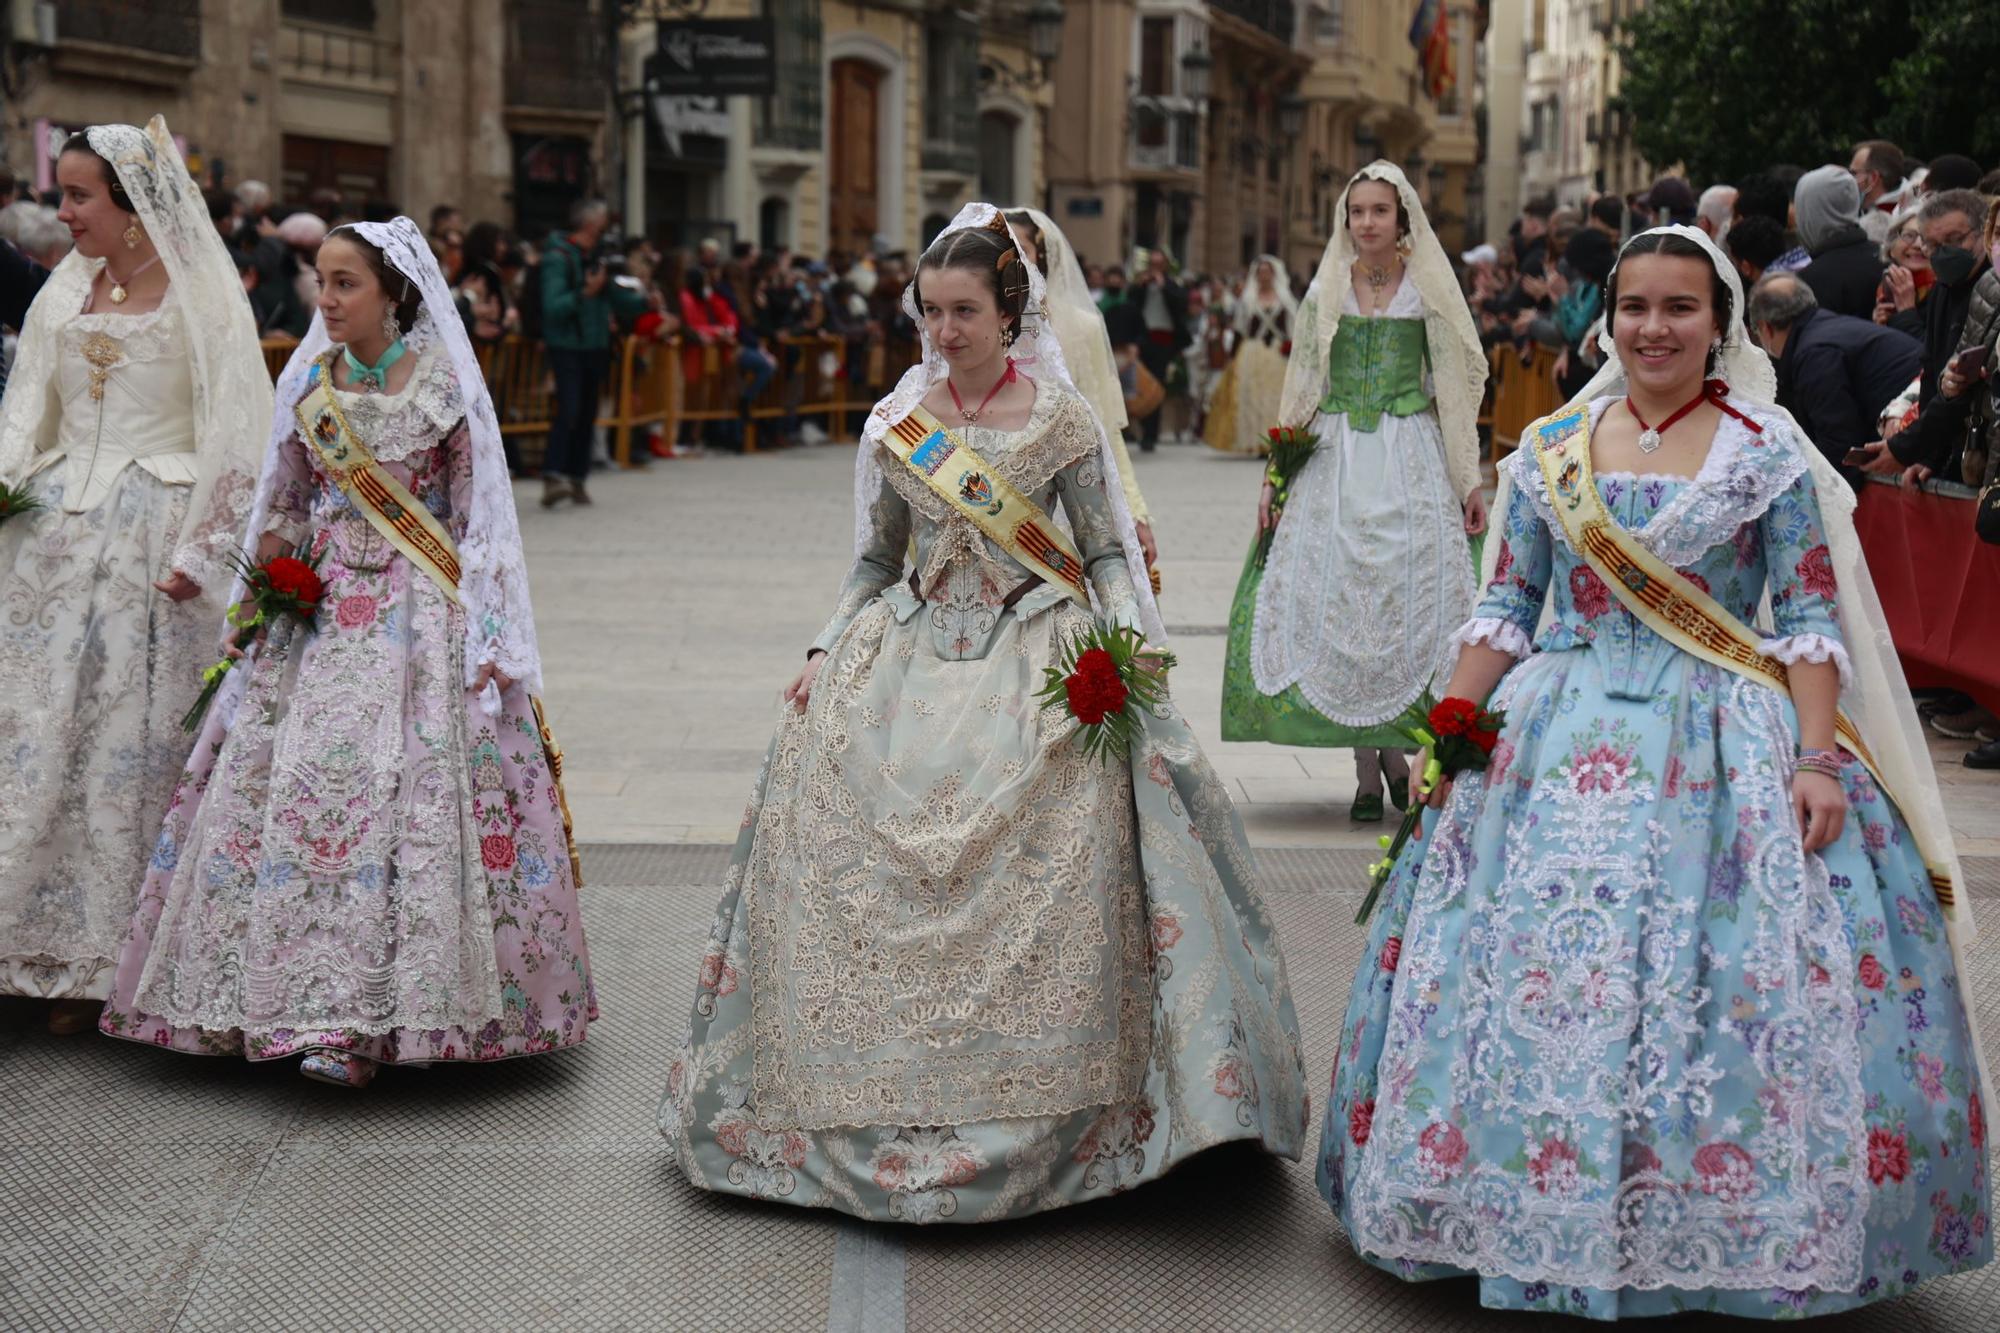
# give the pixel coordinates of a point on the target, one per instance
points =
(854, 185)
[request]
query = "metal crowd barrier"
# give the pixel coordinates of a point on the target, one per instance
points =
(650, 385)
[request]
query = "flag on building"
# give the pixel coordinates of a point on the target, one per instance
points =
(1430, 34)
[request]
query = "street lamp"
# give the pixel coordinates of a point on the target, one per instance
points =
(1291, 116)
(1045, 28)
(1195, 68)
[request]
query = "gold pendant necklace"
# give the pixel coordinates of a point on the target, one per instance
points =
(118, 292)
(1378, 278)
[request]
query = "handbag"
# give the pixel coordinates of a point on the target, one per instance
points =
(1147, 395)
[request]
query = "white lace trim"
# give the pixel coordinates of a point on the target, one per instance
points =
(1734, 486)
(416, 417)
(1496, 632)
(1811, 648)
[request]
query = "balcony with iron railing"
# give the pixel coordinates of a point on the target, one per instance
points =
(1275, 18)
(342, 56)
(170, 28)
(556, 58)
(1165, 137)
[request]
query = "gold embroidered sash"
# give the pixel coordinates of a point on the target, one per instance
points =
(965, 481)
(400, 517)
(1660, 596)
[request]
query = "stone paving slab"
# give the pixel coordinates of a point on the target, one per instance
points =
(673, 611)
(154, 1191)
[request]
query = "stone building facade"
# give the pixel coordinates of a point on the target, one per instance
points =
(497, 106)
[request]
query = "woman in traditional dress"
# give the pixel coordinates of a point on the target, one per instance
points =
(963, 972)
(367, 860)
(1370, 572)
(1664, 1013)
(1244, 405)
(1079, 330)
(133, 418)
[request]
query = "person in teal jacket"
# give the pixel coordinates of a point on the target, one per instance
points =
(579, 299)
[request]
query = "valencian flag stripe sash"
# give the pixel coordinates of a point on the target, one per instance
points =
(387, 503)
(970, 486)
(1659, 595)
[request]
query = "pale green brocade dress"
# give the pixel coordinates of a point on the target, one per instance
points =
(962, 972)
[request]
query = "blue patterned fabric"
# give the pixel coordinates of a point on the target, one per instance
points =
(1618, 1045)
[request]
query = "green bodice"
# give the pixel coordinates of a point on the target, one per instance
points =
(1376, 366)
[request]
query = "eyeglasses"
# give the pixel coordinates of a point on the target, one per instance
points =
(1930, 247)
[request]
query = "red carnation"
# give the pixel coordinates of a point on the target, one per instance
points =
(1095, 690)
(294, 578)
(1454, 717)
(1274, 434)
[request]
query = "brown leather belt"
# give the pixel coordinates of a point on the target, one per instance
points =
(1021, 589)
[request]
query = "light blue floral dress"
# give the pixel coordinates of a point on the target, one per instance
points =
(1618, 1045)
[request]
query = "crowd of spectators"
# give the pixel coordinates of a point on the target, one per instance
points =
(1870, 283)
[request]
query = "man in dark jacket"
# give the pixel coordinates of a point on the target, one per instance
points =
(578, 301)
(1950, 224)
(1162, 304)
(1835, 373)
(1846, 266)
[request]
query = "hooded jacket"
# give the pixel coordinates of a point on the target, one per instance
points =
(1846, 266)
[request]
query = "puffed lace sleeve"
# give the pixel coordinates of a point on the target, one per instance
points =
(878, 564)
(1512, 603)
(291, 493)
(1080, 485)
(1805, 609)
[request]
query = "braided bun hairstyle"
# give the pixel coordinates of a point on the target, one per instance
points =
(989, 251)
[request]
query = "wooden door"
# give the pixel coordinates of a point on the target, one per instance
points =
(853, 197)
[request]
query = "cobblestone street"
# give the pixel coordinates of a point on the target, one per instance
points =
(152, 1191)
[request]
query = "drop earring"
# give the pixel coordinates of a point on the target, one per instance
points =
(133, 235)
(391, 330)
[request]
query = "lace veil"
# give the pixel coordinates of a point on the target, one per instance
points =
(232, 389)
(1039, 354)
(493, 579)
(1878, 697)
(1458, 361)
(1078, 325)
(1281, 281)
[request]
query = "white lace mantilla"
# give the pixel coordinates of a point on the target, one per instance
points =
(417, 416)
(1735, 486)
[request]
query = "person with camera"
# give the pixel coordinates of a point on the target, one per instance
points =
(579, 301)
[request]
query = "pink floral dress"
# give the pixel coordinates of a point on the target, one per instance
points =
(358, 856)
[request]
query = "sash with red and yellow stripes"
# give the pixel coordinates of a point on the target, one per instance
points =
(1662, 597)
(400, 517)
(965, 481)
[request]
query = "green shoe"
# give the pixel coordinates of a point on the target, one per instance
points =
(1399, 793)
(1366, 809)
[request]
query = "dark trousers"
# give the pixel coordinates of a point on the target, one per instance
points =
(1156, 357)
(579, 378)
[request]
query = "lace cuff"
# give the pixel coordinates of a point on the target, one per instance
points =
(1811, 648)
(282, 525)
(1495, 632)
(202, 565)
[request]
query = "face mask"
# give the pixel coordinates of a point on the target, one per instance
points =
(1953, 264)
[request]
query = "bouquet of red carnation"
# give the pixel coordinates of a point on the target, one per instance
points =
(1100, 681)
(282, 586)
(1457, 735)
(1290, 449)
(16, 500)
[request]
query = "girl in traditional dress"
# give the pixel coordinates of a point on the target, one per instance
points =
(1079, 330)
(1244, 405)
(367, 860)
(1370, 572)
(1664, 1013)
(963, 972)
(133, 418)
